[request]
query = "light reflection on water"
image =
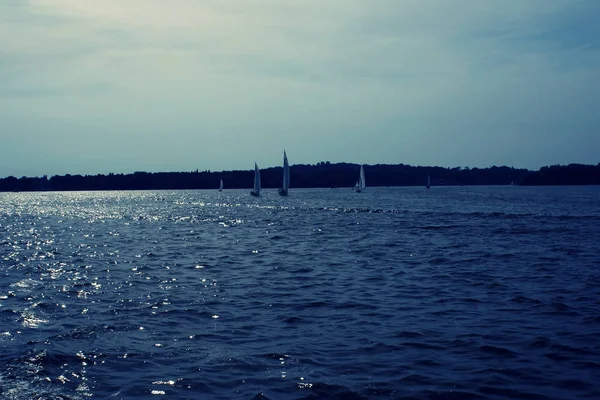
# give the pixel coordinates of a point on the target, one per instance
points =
(390, 293)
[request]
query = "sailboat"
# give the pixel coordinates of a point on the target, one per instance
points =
(428, 181)
(221, 185)
(256, 190)
(283, 191)
(361, 184)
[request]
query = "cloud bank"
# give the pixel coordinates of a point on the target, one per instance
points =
(100, 86)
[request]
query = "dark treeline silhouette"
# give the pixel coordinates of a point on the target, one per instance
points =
(572, 174)
(323, 174)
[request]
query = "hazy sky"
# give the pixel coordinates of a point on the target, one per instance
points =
(98, 86)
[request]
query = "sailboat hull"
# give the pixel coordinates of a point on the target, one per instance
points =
(253, 193)
(282, 192)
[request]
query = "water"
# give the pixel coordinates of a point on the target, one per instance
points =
(406, 293)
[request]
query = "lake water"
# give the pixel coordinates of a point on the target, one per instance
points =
(404, 293)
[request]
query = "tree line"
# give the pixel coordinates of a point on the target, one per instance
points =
(322, 175)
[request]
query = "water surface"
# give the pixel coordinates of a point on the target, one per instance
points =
(405, 293)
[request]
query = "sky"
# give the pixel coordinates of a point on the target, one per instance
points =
(99, 86)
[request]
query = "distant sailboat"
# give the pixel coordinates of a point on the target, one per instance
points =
(221, 185)
(256, 190)
(428, 181)
(361, 184)
(513, 183)
(283, 191)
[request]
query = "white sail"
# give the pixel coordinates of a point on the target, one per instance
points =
(283, 190)
(286, 172)
(361, 179)
(256, 179)
(221, 185)
(361, 184)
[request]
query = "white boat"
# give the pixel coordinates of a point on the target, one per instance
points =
(256, 189)
(361, 184)
(283, 191)
(428, 181)
(221, 185)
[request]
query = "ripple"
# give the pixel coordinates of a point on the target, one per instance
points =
(469, 293)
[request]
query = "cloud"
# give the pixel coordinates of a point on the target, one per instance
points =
(422, 82)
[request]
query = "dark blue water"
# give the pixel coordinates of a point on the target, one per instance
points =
(406, 293)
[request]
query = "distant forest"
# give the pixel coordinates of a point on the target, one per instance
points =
(321, 175)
